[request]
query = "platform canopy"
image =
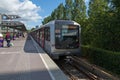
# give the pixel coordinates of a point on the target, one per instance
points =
(10, 21)
(14, 24)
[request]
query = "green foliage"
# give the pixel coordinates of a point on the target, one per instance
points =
(47, 19)
(60, 10)
(79, 11)
(103, 29)
(68, 8)
(58, 13)
(107, 59)
(32, 29)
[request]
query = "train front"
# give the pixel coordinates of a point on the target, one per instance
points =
(67, 38)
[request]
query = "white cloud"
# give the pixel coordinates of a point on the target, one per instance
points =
(25, 8)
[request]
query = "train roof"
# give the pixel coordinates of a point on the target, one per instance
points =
(59, 21)
(62, 21)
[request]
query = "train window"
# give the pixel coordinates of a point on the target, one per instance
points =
(40, 34)
(57, 31)
(47, 33)
(66, 36)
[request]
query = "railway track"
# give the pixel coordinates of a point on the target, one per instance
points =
(73, 68)
(90, 75)
(71, 71)
(74, 71)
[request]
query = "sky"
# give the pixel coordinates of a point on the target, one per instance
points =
(32, 12)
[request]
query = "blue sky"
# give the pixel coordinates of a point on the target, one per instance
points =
(47, 6)
(32, 12)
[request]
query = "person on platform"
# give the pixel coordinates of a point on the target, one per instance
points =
(1, 40)
(8, 38)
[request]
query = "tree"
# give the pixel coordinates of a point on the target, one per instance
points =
(58, 13)
(98, 22)
(68, 8)
(32, 29)
(79, 11)
(54, 14)
(47, 19)
(114, 20)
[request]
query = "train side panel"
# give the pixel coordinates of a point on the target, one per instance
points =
(52, 38)
(49, 40)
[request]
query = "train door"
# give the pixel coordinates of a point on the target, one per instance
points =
(43, 39)
(47, 39)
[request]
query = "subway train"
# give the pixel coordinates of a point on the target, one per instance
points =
(59, 38)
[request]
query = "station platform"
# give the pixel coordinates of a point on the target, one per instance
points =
(27, 61)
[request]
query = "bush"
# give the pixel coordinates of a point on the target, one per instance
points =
(106, 59)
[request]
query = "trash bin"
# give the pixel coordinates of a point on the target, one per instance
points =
(1, 40)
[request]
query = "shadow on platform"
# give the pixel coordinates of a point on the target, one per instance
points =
(26, 75)
(29, 46)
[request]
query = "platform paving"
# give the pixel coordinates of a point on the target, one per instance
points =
(22, 62)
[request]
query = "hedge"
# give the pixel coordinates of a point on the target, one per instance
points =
(107, 59)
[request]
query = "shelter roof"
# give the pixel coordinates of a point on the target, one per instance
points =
(14, 24)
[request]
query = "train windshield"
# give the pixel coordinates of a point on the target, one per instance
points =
(66, 36)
